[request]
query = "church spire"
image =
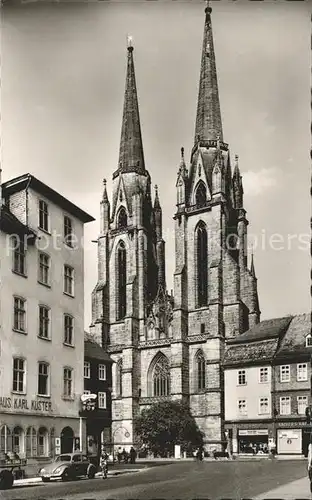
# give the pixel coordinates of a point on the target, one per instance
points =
(131, 157)
(208, 117)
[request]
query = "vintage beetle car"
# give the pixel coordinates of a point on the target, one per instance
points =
(68, 466)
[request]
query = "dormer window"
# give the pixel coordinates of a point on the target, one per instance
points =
(309, 340)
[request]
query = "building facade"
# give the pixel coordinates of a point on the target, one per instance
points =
(267, 374)
(41, 320)
(97, 381)
(172, 346)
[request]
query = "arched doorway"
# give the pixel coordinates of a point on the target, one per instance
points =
(67, 440)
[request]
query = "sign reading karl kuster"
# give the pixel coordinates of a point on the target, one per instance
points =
(24, 404)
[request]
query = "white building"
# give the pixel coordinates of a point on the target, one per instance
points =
(41, 320)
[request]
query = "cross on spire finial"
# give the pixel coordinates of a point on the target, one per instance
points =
(182, 152)
(104, 182)
(129, 43)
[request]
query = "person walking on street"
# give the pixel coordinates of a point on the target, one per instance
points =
(104, 464)
(310, 465)
(132, 455)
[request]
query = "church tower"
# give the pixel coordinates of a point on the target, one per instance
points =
(215, 294)
(131, 265)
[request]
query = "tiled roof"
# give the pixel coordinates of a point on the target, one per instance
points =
(294, 340)
(95, 351)
(250, 352)
(267, 329)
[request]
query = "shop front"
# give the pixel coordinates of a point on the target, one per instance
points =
(253, 441)
(289, 441)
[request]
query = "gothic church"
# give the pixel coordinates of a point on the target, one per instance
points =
(171, 346)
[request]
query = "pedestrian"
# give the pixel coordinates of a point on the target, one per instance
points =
(104, 463)
(119, 454)
(132, 455)
(310, 465)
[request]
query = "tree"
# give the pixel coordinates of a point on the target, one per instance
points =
(167, 423)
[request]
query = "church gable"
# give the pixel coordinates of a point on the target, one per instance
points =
(120, 201)
(199, 182)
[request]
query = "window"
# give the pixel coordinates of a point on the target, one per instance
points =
(5, 439)
(302, 402)
(263, 406)
(19, 256)
(68, 382)
(241, 379)
(119, 377)
(302, 372)
(201, 195)
(285, 373)
(44, 269)
(309, 340)
(102, 400)
(18, 440)
(102, 372)
(43, 215)
(200, 371)
(68, 231)
(68, 329)
(43, 439)
(242, 407)
(31, 442)
(161, 377)
(263, 375)
(285, 405)
(202, 328)
(202, 265)
(43, 379)
(44, 322)
(19, 322)
(86, 391)
(122, 281)
(68, 280)
(86, 369)
(19, 375)
(122, 218)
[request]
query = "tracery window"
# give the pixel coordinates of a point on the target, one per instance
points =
(122, 218)
(119, 378)
(200, 371)
(202, 265)
(201, 195)
(161, 377)
(122, 280)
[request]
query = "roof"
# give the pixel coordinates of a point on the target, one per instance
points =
(293, 343)
(95, 351)
(250, 352)
(267, 329)
(11, 224)
(28, 180)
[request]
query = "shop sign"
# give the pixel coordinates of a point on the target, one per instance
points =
(253, 432)
(24, 404)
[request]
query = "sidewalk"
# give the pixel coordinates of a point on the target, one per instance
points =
(299, 489)
(32, 481)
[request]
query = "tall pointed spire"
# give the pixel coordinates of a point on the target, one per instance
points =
(131, 157)
(208, 118)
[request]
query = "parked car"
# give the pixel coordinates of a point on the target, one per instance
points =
(68, 466)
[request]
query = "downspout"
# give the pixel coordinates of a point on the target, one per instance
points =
(26, 192)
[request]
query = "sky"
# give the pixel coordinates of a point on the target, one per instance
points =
(62, 90)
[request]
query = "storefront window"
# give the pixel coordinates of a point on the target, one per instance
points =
(18, 440)
(254, 441)
(5, 439)
(31, 442)
(42, 442)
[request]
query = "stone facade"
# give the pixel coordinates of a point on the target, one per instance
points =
(214, 297)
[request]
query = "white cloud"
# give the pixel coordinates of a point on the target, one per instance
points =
(256, 183)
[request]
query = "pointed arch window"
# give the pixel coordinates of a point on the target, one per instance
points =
(200, 371)
(202, 265)
(121, 280)
(201, 195)
(161, 377)
(122, 220)
(119, 378)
